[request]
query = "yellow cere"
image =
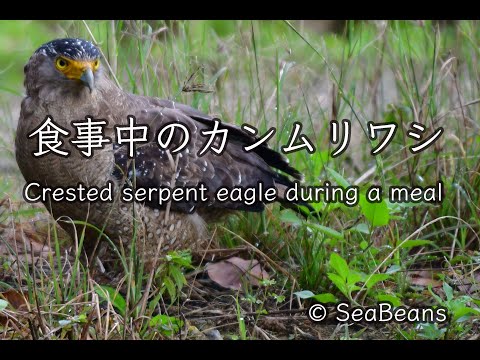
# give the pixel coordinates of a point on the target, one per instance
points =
(73, 69)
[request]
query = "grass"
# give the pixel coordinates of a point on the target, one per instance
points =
(273, 73)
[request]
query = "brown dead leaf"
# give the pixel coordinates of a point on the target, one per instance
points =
(23, 239)
(233, 272)
(20, 237)
(22, 242)
(30, 237)
(16, 301)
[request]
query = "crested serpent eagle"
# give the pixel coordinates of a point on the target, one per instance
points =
(67, 80)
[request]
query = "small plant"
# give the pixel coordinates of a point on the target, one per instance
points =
(171, 273)
(461, 309)
(242, 329)
(166, 325)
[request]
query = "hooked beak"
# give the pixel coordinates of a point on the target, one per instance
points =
(88, 79)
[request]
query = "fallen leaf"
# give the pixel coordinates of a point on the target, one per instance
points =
(27, 239)
(15, 300)
(233, 272)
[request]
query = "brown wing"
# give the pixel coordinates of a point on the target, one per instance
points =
(157, 167)
(268, 155)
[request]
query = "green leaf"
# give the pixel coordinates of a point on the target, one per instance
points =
(393, 299)
(304, 294)
(64, 323)
(431, 331)
(108, 293)
(241, 322)
(458, 259)
(167, 325)
(339, 265)
(393, 269)
(3, 305)
(375, 278)
(181, 258)
(462, 313)
(289, 216)
(317, 207)
(413, 243)
(154, 302)
(448, 291)
(339, 282)
(475, 301)
(361, 228)
(397, 218)
(329, 231)
(319, 159)
(170, 287)
(354, 277)
(352, 288)
(339, 179)
(325, 298)
(82, 318)
(178, 277)
(376, 213)
(435, 296)
(278, 298)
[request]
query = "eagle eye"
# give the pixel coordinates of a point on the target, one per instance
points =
(61, 63)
